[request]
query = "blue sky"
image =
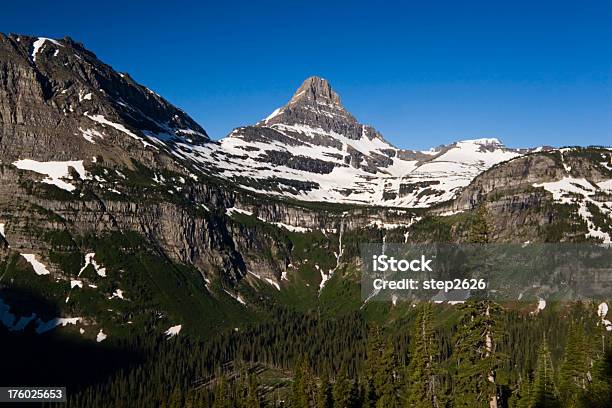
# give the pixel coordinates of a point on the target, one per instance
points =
(422, 72)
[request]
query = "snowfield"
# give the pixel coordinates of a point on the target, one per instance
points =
(56, 171)
(412, 182)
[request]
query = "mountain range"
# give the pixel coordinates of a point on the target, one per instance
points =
(119, 211)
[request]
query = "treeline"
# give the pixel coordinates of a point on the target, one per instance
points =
(481, 355)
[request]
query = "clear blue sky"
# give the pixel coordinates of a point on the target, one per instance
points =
(422, 72)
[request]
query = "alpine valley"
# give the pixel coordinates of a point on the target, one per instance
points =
(143, 264)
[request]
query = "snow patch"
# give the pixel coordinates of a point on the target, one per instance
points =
(541, 305)
(173, 331)
(273, 283)
(39, 43)
(89, 260)
(233, 210)
(74, 283)
(235, 296)
(291, 228)
(580, 191)
(54, 170)
(602, 312)
(39, 267)
(102, 120)
(84, 96)
(275, 113)
(89, 134)
(101, 336)
(118, 293)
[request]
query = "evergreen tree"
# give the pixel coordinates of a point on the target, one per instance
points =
(369, 393)
(253, 399)
(223, 398)
(544, 393)
(479, 228)
(387, 379)
(176, 399)
(324, 394)
(476, 358)
(345, 391)
(599, 393)
(521, 397)
(303, 390)
(573, 374)
(374, 360)
(424, 372)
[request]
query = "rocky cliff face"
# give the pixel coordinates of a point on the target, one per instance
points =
(555, 196)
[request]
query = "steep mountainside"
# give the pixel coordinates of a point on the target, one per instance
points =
(562, 195)
(117, 213)
(59, 102)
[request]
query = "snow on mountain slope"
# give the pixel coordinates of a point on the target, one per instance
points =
(592, 196)
(312, 149)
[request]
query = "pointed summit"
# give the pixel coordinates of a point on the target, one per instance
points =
(315, 89)
(316, 106)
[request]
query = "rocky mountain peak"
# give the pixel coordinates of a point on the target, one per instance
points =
(316, 106)
(315, 90)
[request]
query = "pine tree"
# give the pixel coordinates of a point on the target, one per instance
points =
(521, 397)
(369, 393)
(253, 399)
(345, 391)
(573, 374)
(476, 358)
(303, 390)
(479, 230)
(374, 365)
(387, 380)
(544, 393)
(424, 373)
(176, 399)
(324, 394)
(599, 393)
(222, 394)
